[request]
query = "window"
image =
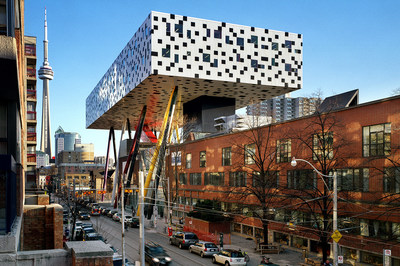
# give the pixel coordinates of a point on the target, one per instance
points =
(301, 179)
(188, 160)
(322, 146)
(208, 32)
(168, 27)
(288, 44)
(283, 151)
(269, 180)
(254, 39)
(203, 159)
(227, 41)
(206, 57)
(226, 156)
(249, 153)
(254, 63)
(189, 34)
(178, 28)
(176, 158)
(237, 179)
(215, 179)
(217, 34)
(240, 41)
(351, 179)
(238, 59)
(182, 178)
(215, 63)
(275, 46)
(166, 52)
(391, 180)
(195, 179)
(176, 58)
(376, 140)
(288, 67)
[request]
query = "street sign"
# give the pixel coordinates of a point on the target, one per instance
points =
(336, 236)
(387, 252)
(340, 259)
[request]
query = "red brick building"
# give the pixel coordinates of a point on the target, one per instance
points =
(360, 143)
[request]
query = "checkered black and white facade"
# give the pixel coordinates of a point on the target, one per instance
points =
(201, 57)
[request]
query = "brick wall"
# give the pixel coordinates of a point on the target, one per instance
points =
(42, 227)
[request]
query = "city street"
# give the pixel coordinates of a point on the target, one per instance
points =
(112, 232)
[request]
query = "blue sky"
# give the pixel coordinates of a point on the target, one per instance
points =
(347, 44)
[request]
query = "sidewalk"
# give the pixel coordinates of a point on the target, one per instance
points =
(288, 257)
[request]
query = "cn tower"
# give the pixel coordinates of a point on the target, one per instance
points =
(46, 74)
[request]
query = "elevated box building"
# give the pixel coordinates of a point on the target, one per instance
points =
(216, 65)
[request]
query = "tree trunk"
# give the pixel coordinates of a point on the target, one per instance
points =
(265, 223)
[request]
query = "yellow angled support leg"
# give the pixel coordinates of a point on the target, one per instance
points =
(162, 138)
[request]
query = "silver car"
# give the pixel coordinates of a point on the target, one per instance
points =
(204, 248)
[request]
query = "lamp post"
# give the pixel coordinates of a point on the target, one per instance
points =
(334, 227)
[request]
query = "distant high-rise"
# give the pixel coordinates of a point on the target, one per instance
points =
(46, 74)
(283, 108)
(65, 141)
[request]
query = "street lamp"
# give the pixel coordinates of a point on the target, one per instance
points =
(335, 247)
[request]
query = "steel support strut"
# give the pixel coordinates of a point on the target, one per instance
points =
(162, 139)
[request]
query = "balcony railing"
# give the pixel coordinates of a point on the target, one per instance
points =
(31, 71)
(31, 158)
(31, 94)
(31, 115)
(31, 136)
(30, 49)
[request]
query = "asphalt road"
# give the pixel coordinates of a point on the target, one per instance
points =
(112, 232)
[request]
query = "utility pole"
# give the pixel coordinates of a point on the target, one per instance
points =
(141, 181)
(335, 244)
(123, 219)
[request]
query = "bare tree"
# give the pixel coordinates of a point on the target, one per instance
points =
(322, 142)
(256, 153)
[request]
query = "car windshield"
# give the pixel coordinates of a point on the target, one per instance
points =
(191, 236)
(210, 245)
(236, 254)
(156, 250)
(89, 230)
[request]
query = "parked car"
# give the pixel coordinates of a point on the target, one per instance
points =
(134, 222)
(111, 213)
(229, 257)
(95, 211)
(116, 217)
(204, 248)
(94, 236)
(128, 219)
(84, 216)
(156, 255)
(183, 239)
(105, 211)
(86, 231)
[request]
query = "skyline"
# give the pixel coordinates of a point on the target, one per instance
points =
(346, 46)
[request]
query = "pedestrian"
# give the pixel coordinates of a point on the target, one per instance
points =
(327, 263)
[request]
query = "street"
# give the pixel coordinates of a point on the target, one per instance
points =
(111, 231)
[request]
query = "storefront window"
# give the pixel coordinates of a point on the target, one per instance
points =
(247, 230)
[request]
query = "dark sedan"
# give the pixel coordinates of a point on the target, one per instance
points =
(156, 255)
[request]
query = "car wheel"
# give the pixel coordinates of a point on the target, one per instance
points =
(180, 245)
(213, 260)
(170, 242)
(226, 263)
(202, 254)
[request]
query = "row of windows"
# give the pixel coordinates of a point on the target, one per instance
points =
(239, 40)
(351, 225)
(352, 179)
(376, 142)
